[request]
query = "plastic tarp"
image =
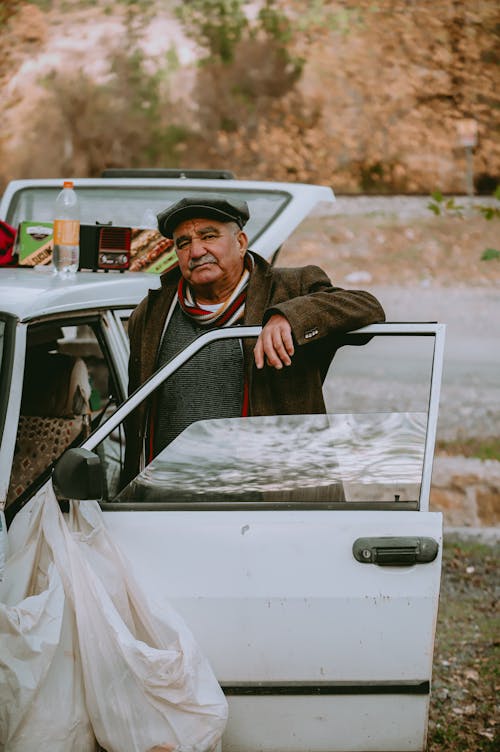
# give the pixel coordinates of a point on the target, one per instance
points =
(85, 655)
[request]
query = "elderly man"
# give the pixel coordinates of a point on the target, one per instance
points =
(220, 282)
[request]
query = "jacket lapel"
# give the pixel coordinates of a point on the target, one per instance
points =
(159, 302)
(258, 296)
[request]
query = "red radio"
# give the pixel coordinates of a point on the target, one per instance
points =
(105, 247)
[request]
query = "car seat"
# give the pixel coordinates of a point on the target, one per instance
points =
(55, 411)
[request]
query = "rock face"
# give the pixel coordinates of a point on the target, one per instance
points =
(383, 90)
(467, 491)
(394, 88)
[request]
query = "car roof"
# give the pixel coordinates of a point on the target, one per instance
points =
(29, 294)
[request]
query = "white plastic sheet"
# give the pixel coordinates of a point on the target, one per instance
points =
(86, 655)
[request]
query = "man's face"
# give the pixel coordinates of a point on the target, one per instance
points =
(210, 257)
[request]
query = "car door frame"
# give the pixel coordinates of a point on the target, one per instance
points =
(115, 351)
(12, 364)
(274, 701)
(429, 329)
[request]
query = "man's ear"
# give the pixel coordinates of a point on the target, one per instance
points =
(243, 242)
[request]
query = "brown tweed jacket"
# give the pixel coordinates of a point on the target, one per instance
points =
(319, 315)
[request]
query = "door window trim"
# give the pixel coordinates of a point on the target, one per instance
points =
(12, 362)
(435, 330)
(105, 329)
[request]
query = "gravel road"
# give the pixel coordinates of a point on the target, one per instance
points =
(403, 207)
(470, 394)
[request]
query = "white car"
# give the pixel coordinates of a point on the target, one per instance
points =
(40, 313)
(299, 549)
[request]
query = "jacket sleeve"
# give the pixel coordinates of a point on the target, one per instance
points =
(319, 310)
(135, 325)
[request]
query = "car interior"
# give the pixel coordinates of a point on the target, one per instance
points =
(67, 389)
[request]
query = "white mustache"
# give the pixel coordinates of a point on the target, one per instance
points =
(206, 259)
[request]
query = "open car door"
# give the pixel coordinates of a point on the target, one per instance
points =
(300, 549)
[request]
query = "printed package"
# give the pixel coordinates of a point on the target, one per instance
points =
(34, 243)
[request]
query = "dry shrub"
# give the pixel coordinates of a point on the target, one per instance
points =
(377, 104)
(234, 101)
(8, 8)
(85, 126)
(242, 92)
(23, 30)
(373, 109)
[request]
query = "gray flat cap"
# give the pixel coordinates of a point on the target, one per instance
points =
(202, 207)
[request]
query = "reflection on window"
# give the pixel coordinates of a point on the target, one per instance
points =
(138, 207)
(348, 458)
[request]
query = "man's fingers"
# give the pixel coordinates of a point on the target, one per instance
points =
(259, 353)
(275, 343)
(277, 353)
(287, 339)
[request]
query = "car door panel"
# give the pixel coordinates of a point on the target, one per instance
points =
(280, 606)
(314, 649)
(255, 576)
(326, 723)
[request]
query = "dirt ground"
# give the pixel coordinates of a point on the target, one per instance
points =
(399, 241)
(464, 713)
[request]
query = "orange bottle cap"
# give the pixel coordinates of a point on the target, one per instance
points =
(68, 184)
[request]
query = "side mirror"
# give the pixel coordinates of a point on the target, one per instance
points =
(78, 474)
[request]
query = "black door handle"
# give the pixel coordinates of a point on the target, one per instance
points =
(395, 551)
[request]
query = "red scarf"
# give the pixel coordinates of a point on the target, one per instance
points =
(230, 311)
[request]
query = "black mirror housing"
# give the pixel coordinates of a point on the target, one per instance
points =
(78, 474)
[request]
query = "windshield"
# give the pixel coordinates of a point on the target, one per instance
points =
(352, 458)
(135, 206)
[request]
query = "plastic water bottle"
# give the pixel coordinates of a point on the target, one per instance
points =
(66, 253)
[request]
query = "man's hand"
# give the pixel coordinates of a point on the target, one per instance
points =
(275, 343)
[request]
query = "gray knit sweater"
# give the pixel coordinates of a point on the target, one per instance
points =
(209, 385)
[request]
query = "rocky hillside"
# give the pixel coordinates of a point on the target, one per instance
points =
(365, 96)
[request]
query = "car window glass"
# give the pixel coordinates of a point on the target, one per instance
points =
(123, 317)
(366, 451)
(137, 207)
(354, 458)
(387, 374)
